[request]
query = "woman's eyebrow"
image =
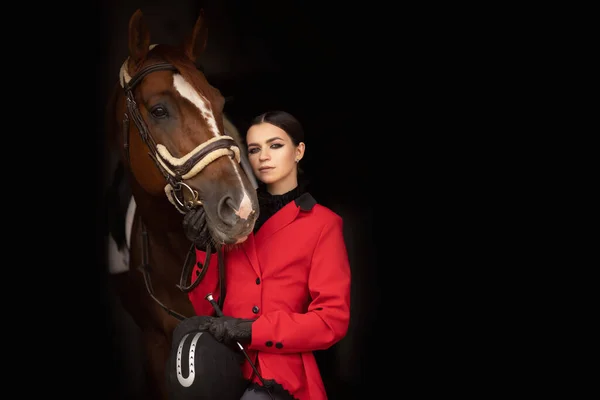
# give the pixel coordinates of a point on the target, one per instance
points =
(268, 141)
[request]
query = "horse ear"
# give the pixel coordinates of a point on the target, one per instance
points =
(139, 37)
(195, 43)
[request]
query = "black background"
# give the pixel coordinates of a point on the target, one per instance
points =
(389, 98)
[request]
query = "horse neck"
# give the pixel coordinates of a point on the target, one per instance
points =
(167, 244)
(157, 213)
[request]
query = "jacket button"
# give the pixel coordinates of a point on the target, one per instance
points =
(269, 343)
(278, 345)
(255, 309)
(258, 281)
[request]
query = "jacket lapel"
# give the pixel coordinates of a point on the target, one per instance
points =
(249, 247)
(279, 220)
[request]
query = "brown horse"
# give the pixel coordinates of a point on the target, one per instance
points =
(167, 124)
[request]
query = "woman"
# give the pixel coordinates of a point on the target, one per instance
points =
(287, 285)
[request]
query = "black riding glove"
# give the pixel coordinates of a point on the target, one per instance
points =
(196, 229)
(229, 330)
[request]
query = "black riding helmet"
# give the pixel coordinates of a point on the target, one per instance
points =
(200, 368)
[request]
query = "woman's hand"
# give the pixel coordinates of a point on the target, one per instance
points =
(229, 330)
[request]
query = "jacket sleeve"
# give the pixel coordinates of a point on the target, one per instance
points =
(208, 284)
(328, 316)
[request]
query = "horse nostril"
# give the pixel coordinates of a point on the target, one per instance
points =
(230, 203)
(226, 211)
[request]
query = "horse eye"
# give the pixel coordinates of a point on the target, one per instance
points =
(159, 112)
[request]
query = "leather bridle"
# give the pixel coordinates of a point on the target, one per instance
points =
(195, 161)
(175, 173)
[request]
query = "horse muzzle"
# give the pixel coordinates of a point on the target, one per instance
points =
(176, 170)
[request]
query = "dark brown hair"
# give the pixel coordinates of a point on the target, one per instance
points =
(283, 120)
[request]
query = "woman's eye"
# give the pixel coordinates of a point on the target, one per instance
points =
(253, 150)
(276, 145)
(159, 112)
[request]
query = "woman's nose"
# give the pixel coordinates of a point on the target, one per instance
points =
(264, 155)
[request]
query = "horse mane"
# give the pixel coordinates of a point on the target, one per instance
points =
(232, 130)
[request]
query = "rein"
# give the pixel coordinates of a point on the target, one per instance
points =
(145, 269)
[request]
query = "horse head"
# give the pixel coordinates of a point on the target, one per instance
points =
(169, 124)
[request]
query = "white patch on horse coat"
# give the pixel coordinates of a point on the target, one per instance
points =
(118, 260)
(187, 91)
(245, 207)
(129, 221)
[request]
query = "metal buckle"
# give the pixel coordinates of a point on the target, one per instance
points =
(189, 204)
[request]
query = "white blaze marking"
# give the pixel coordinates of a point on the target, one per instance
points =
(188, 92)
(245, 207)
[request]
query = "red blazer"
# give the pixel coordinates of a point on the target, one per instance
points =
(293, 277)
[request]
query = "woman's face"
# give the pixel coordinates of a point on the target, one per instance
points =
(273, 155)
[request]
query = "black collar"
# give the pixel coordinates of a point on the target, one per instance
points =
(305, 201)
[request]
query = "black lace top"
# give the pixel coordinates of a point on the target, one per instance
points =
(269, 204)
